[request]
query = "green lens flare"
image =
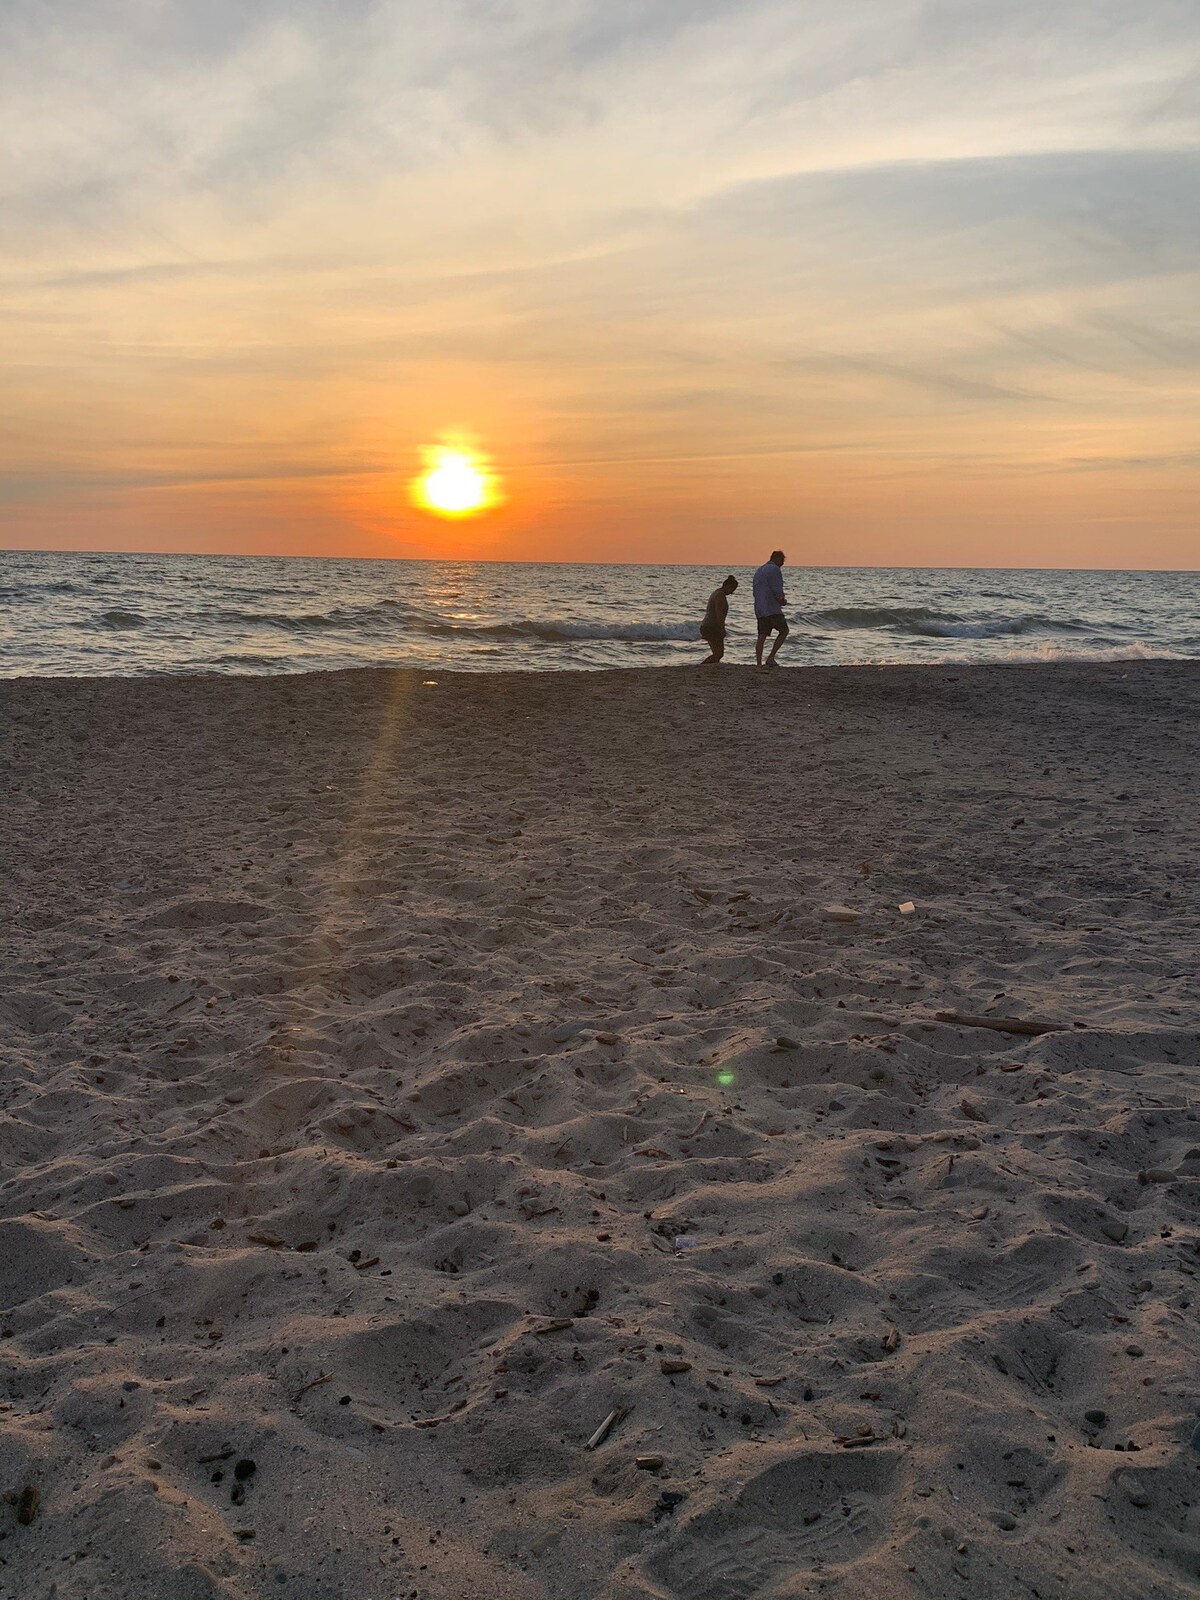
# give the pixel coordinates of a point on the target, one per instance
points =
(726, 1078)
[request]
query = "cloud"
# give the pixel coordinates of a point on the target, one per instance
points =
(625, 232)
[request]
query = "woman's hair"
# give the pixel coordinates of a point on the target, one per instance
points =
(730, 583)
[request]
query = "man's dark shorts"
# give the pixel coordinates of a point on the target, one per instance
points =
(773, 624)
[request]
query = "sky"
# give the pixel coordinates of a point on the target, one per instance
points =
(881, 281)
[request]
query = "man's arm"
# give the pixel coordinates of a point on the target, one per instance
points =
(777, 588)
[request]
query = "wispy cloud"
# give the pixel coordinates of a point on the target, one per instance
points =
(604, 232)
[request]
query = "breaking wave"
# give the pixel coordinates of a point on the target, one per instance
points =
(926, 624)
(391, 615)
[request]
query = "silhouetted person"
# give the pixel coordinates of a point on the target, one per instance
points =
(769, 601)
(712, 629)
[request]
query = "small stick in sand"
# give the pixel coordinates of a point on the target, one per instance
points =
(315, 1383)
(617, 1414)
(1002, 1024)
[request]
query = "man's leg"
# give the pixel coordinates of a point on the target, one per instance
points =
(758, 648)
(777, 646)
(718, 650)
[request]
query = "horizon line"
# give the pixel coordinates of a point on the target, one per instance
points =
(486, 561)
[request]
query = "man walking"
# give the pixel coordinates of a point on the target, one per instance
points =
(769, 601)
(712, 629)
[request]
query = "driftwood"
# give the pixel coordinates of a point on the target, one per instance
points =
(1002, 1024)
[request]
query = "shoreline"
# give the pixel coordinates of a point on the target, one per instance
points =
(402, 1079)
(1081, 663)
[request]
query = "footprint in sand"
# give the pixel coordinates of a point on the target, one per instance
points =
(813, 1508)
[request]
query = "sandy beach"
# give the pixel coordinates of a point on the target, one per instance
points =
(499, 1135)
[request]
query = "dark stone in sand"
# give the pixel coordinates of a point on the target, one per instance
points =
(244, 1469)
(1096, 1419)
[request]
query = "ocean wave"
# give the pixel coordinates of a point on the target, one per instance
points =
(973, 630)
(391, 614)
(120, 619)
(924, 623)
(346, 617)
(563, 632)
(1139, 650)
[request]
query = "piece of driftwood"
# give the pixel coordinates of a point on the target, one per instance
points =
(617, 1414)
(1002, 1024)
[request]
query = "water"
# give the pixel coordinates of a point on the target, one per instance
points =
(68, 614)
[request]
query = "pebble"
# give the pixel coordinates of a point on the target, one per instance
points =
(27, 1505)
(1159, 1175)
(665, 1505)
(1135, 1496)
(1134, 1350)
(1114, 1230)
(784, 1042)
(1096, 1419)
(671, 1366)
(648, 1463)
(777, 1278)
(1004, 1520)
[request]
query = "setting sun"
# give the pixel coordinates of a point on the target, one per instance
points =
(456, 482)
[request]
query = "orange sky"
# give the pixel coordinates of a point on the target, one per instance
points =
(895, 287)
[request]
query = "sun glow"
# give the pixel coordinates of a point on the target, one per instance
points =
(456, 482)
